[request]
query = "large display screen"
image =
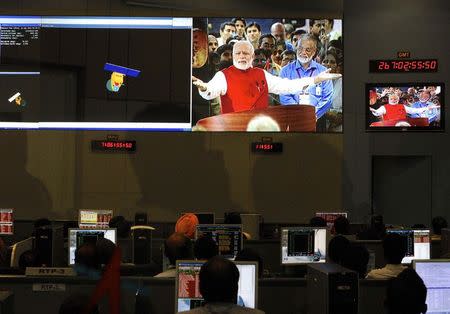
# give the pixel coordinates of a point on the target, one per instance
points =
(301, 245)
(233, 93)
(417, 244)
(227, 237)
(95, 73)
(405, 106)
(144, 73)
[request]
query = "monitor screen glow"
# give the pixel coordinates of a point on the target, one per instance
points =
(6, 221)
(227, 237)
(79, 236)
(301, 245)
(417, 243)
(94, 218)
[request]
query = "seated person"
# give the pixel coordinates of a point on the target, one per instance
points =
(317, 222)
(249, 255)
(337, 247)
(219, 280)
(234, 218)
(122, 225)
(176, 247)
(394, 247)
(356, 258)
(341, 226)
(86, 262)
(105, 250)
(406, 294)
(438, 223)
(186, 225)
(76, 304)
(205, 247)
(29, 259)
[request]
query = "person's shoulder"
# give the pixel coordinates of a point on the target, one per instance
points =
(318, 66)
(288, 68)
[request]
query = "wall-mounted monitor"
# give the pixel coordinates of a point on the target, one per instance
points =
(94, 218)
(78, 237)
(6, 221)
(239, 96)
(227, 237)
(187, 285)
(330, 217)
(92, 72)
(300, 245)
(405, 106)
(417, 244)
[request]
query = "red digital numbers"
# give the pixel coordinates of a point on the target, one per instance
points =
(264, 146)
(421, 65)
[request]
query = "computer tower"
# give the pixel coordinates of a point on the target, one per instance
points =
(332, 289)
(141, 244)
(49, 244)
(140, 219)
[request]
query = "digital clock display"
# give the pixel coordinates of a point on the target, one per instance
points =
(403, 66)
(262, 147)
(113, 146)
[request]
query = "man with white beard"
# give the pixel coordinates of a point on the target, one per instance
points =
(242, 87)
(320, 94)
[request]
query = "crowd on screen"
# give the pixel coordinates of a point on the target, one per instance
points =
(90, 259)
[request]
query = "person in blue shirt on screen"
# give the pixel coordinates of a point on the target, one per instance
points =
(319, 95)
(424, 101)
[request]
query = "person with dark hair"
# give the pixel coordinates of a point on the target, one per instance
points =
(77, 304)
(438, 223)
(233, 39)
(341, 226)
(86, 256)
(406, 294)
(105, 250)
(249, 255)
(212, 43)
(227, 29)
(232, 218)
(29, 259)
(296, 36)
(205, 247)
(225, 52)
(253, 33)
(394, 246)
(219, 279)
(240, 24)
(260, 59)
(356, 257)
(176, 247)
(122, 225)
(337, 248)
(42, 222)
(287, 57)
(317, 221)
(334, 115)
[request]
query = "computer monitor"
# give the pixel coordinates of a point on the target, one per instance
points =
(301, 245)
(227, 237)
(94, 218)
(78, 237)
(331, 217)
(436, 277)
(417, 244)
(6, 221)
(187, 285)
(204, 218)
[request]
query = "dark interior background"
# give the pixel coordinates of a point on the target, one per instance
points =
(53, 173)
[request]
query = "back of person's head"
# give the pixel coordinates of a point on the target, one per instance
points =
(249, 255)
(76, 304)
(187, 225)
(219, 280)
(395, 247)
(232, 218)
(337, 247)
(86, 256)
(317, 221)
(177, 247)
(205, 247)
(122, 225)
(438, 224)
(341, 225)
(105, 250)
(356, 258)
(406, 294)
(42, 222)
(29, 259)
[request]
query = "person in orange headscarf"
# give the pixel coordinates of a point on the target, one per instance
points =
(187, 224)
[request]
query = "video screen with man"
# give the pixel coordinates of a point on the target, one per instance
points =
(284, 74)
(406, 106)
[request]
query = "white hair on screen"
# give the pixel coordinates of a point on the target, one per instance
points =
(263, 123)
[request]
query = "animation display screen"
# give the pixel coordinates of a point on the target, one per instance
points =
(6, 221)
(187, 293)
(95, 72)
(408, 106)
(233, 92)
(417, 244)
(301, 245)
